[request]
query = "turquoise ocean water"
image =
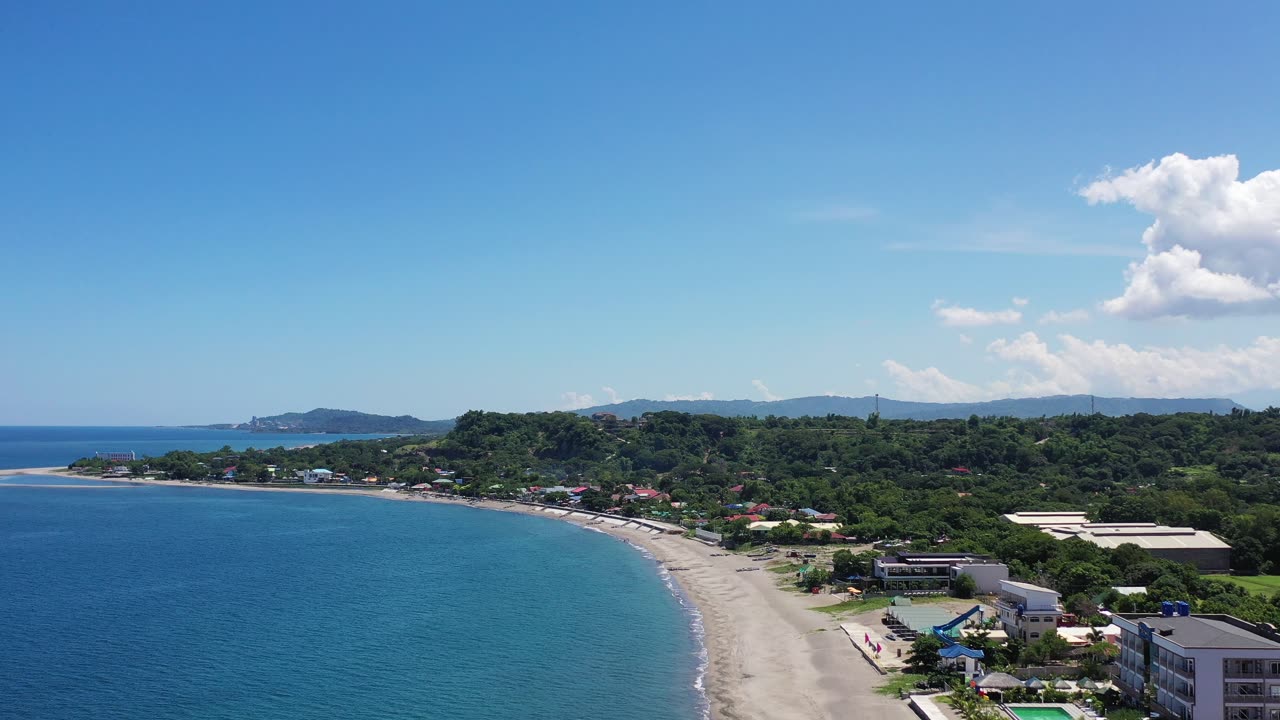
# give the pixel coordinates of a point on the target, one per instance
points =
(22, 447)
(158, 602)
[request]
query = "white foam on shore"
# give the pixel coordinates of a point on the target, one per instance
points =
(695, 622)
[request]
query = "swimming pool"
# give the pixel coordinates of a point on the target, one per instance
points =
(1039, 712)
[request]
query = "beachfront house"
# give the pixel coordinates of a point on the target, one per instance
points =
(318, 475)
(1028, 611)
(937, 571)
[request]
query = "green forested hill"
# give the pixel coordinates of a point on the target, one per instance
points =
(324, 420)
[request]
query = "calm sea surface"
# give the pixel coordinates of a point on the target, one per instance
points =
(22, 447)
(158, 602)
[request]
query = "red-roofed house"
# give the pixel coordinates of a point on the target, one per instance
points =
(646, 492)
(758, 508)
(825, 517)
(962, 470)
(736, 488)
(579, 490)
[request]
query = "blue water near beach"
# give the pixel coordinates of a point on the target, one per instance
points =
(161, 602)
(23, 447)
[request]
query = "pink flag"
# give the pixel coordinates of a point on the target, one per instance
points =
(866, 638)
(878, 648)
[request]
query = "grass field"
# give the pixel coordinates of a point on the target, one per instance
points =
(1265, 584)
(857, 607)
(898, 681)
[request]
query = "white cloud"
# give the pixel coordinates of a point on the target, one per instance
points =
(764, 391)
(704, 395)
(1075, 366)
(1021, 301)
(1053, 317)
(838, 213)
(611, 394)
(576, 401)
(966, 339)
(1010, 242)
(1214, 246)
(930, 384)
(1081, 366)
(955, 316)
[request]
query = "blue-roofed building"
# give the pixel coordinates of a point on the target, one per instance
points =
(808, 511)
(319, 475)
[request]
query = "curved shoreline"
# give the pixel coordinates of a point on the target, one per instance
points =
(768, 656)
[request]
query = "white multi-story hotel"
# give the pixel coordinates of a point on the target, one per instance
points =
(1200, 667)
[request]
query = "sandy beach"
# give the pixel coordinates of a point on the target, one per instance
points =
(769, 656)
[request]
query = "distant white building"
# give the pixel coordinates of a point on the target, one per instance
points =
(1206, 551)
(319, 475)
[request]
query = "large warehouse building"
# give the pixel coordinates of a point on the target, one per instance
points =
(1200, 548)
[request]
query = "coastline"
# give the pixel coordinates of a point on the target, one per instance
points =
(767, 655)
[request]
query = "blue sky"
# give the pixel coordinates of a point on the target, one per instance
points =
(209, 211)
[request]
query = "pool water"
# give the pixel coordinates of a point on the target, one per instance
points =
(1040, 713)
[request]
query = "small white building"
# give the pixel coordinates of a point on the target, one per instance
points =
(319, 475)
(1028, 611)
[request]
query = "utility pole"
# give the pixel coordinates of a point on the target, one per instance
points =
(1091, 410)
(877, 403)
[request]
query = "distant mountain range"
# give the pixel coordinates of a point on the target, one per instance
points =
(323, 420)
(899, 409)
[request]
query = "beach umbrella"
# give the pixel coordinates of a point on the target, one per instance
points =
(998, 681)
(1087, 684)
(1062, 685)
(1035, 683)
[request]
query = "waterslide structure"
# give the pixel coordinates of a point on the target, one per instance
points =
(952, 649)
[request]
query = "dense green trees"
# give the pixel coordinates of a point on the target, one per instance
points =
(935, 485)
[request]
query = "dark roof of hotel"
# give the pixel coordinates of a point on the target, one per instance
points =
(1205, 632)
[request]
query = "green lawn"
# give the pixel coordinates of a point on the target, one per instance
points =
(897, 682)
(1197, 472)
(1265, 584)
(857, 607)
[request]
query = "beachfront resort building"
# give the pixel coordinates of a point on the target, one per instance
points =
(1200, 548)
(1200, 667)
(937, 571)
(319, 475)
(1027, 611)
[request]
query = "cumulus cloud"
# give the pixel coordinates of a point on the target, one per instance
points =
(955, 316)
(576, 401)
(1021, 301)
(931, 385)
(1053, 317)
(611, 394)
(1214, 245)
(1081, 366)
(1075, 366)
(966, 339)
(704, 395)
(764, 391)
